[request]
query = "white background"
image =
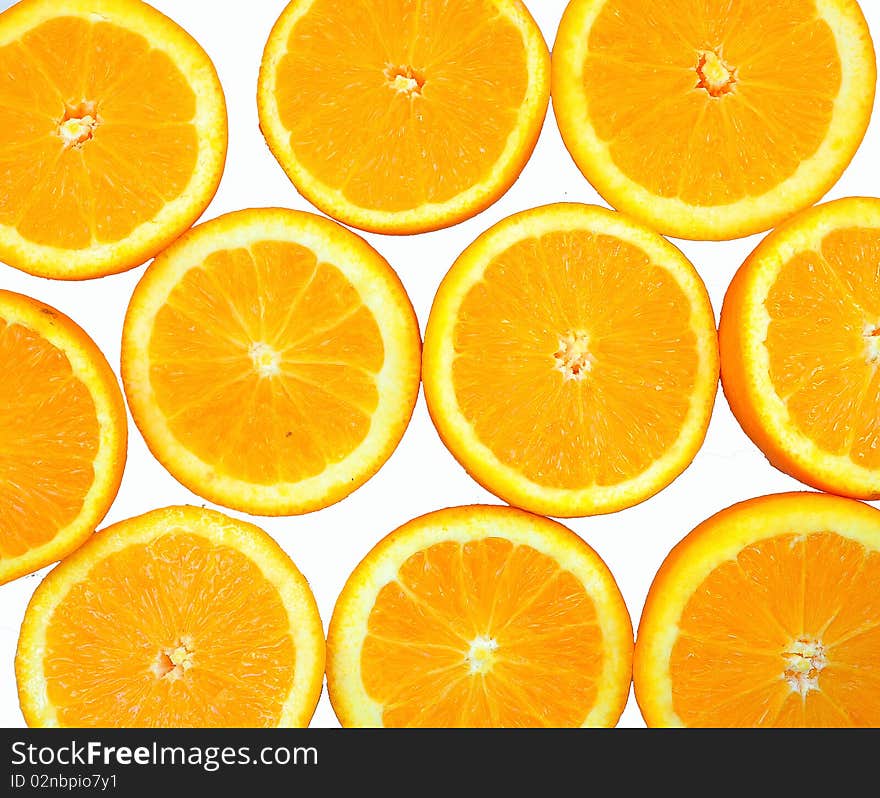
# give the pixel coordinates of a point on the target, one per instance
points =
(421, 476)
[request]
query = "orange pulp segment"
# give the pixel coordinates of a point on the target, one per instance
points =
(180, 617)
(63, 435)
(271, 360)
(800, 337)
(766, 615)
(476, 617)
(571, 361)
(114, 135)
(713, 120)
(403, 117)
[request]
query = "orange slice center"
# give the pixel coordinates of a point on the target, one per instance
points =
(804, 660)
(480, 655)
(266, 359)
(573, 358)
(78, 124)
(174, 662)
(715, 76)
(405, 80)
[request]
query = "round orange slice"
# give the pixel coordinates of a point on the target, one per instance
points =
(271, 361)
(766, 615)
(800, 343)
(571, 361)
(712, 119)
(113, 137)
(63, 435)
(480, 616)
(401, 117)
(180, 617)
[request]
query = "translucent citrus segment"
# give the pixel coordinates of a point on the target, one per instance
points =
(480, 617)
(256, 651)
(829, 358)
(713, 120)
(403, 116)
(548, 361)
(271, 359)
(163, 112)
(493, 624)
(62, 435)
(114, 136)
(303, 370)
(42, 495)
(813, 600)
(181, 617)
(571, 361)
(775, 619)
(801, 347)
(749, 150)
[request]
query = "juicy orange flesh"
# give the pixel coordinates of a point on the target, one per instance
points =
(627, 404)
(398, 104)
(140, 154)
(642, 85)
(824, 343)
(49, 438)
(264, 363)
(174, 632)
(485, 633)
(739, 630)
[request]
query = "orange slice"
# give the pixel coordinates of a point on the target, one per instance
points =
(711, 119)
(271, 361)
(800, 337)
(402, 117)
(113, 137)
(480, 616)
(180, 617)
(63, 435)
(571, 361)
(766, 615)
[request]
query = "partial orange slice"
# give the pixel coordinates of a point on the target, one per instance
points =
(403, 117)
(480, 616)
(800, 338)
(63, 435)
(711, 119)
(571, 361)
(271, 361)
(766, 615)
(113, 137)
(180, 617)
